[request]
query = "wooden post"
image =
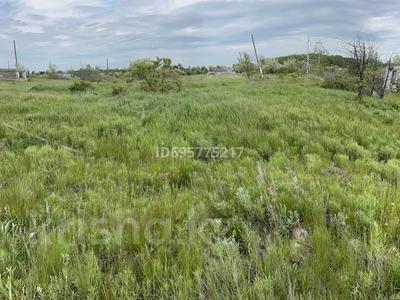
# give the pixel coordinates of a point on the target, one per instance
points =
(258, 61)
(382, 94)
(15, 54)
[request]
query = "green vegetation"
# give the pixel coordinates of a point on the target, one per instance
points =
(245, 65)
(156, 76)
(80, 87)
(52, 72)
(309, 210)
(117, 90)
(338, 78)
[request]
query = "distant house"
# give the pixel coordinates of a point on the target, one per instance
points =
(12, 75)
(392, 78)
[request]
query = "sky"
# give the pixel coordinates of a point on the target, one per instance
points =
(74, 33)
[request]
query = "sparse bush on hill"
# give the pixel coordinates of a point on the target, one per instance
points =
(274, 66)
(80, 87)
(290, 66)
(270, 65)
(157, 75)
(338, 78)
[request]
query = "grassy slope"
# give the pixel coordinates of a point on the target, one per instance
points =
(314, 158)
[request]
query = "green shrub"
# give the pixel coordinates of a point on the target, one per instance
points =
(139, 69)
(90, 74)
(271, 66)
(338, 78)
(289, 66)
(157, 75)
(48, 88)
(80, 87)
(245, 65)
(117, 90)
(52, 72)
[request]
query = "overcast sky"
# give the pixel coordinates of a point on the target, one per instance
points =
(71, 33)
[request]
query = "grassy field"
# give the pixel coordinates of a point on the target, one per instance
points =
(306, 204)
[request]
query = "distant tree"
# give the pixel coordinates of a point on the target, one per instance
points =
(319, 48)
(89, 73)
(156, 75)
(320, 51)
(365, 57)
(52, 71)
(245, 65)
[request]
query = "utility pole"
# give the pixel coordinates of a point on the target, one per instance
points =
(107, 65)
(15, 54)
(385, 83)
(258, 61)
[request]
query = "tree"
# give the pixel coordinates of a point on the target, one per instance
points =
(138, 69)
(89, 73)
(320, 50)
(52, 71)
(365, 57)
(245, 65)
(156, 75)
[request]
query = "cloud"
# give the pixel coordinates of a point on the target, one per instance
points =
(41, 44)
(29, 28)
(190, 31)
(62, 37)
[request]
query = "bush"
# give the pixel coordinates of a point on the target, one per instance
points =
(140, 68)
(338, 78)
(117, 90)
(90, 74)
(289, 66)
(271, 66)
(245, 65)
(157, 75)
(80, 87)
(52, 72)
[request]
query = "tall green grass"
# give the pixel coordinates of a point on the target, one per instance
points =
(114, 221)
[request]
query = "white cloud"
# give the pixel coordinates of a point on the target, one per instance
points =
(32, 28)
(383, 23)
(40, 44)
(62, 37)
(53, 9)
(190, 31)
(66, 44)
